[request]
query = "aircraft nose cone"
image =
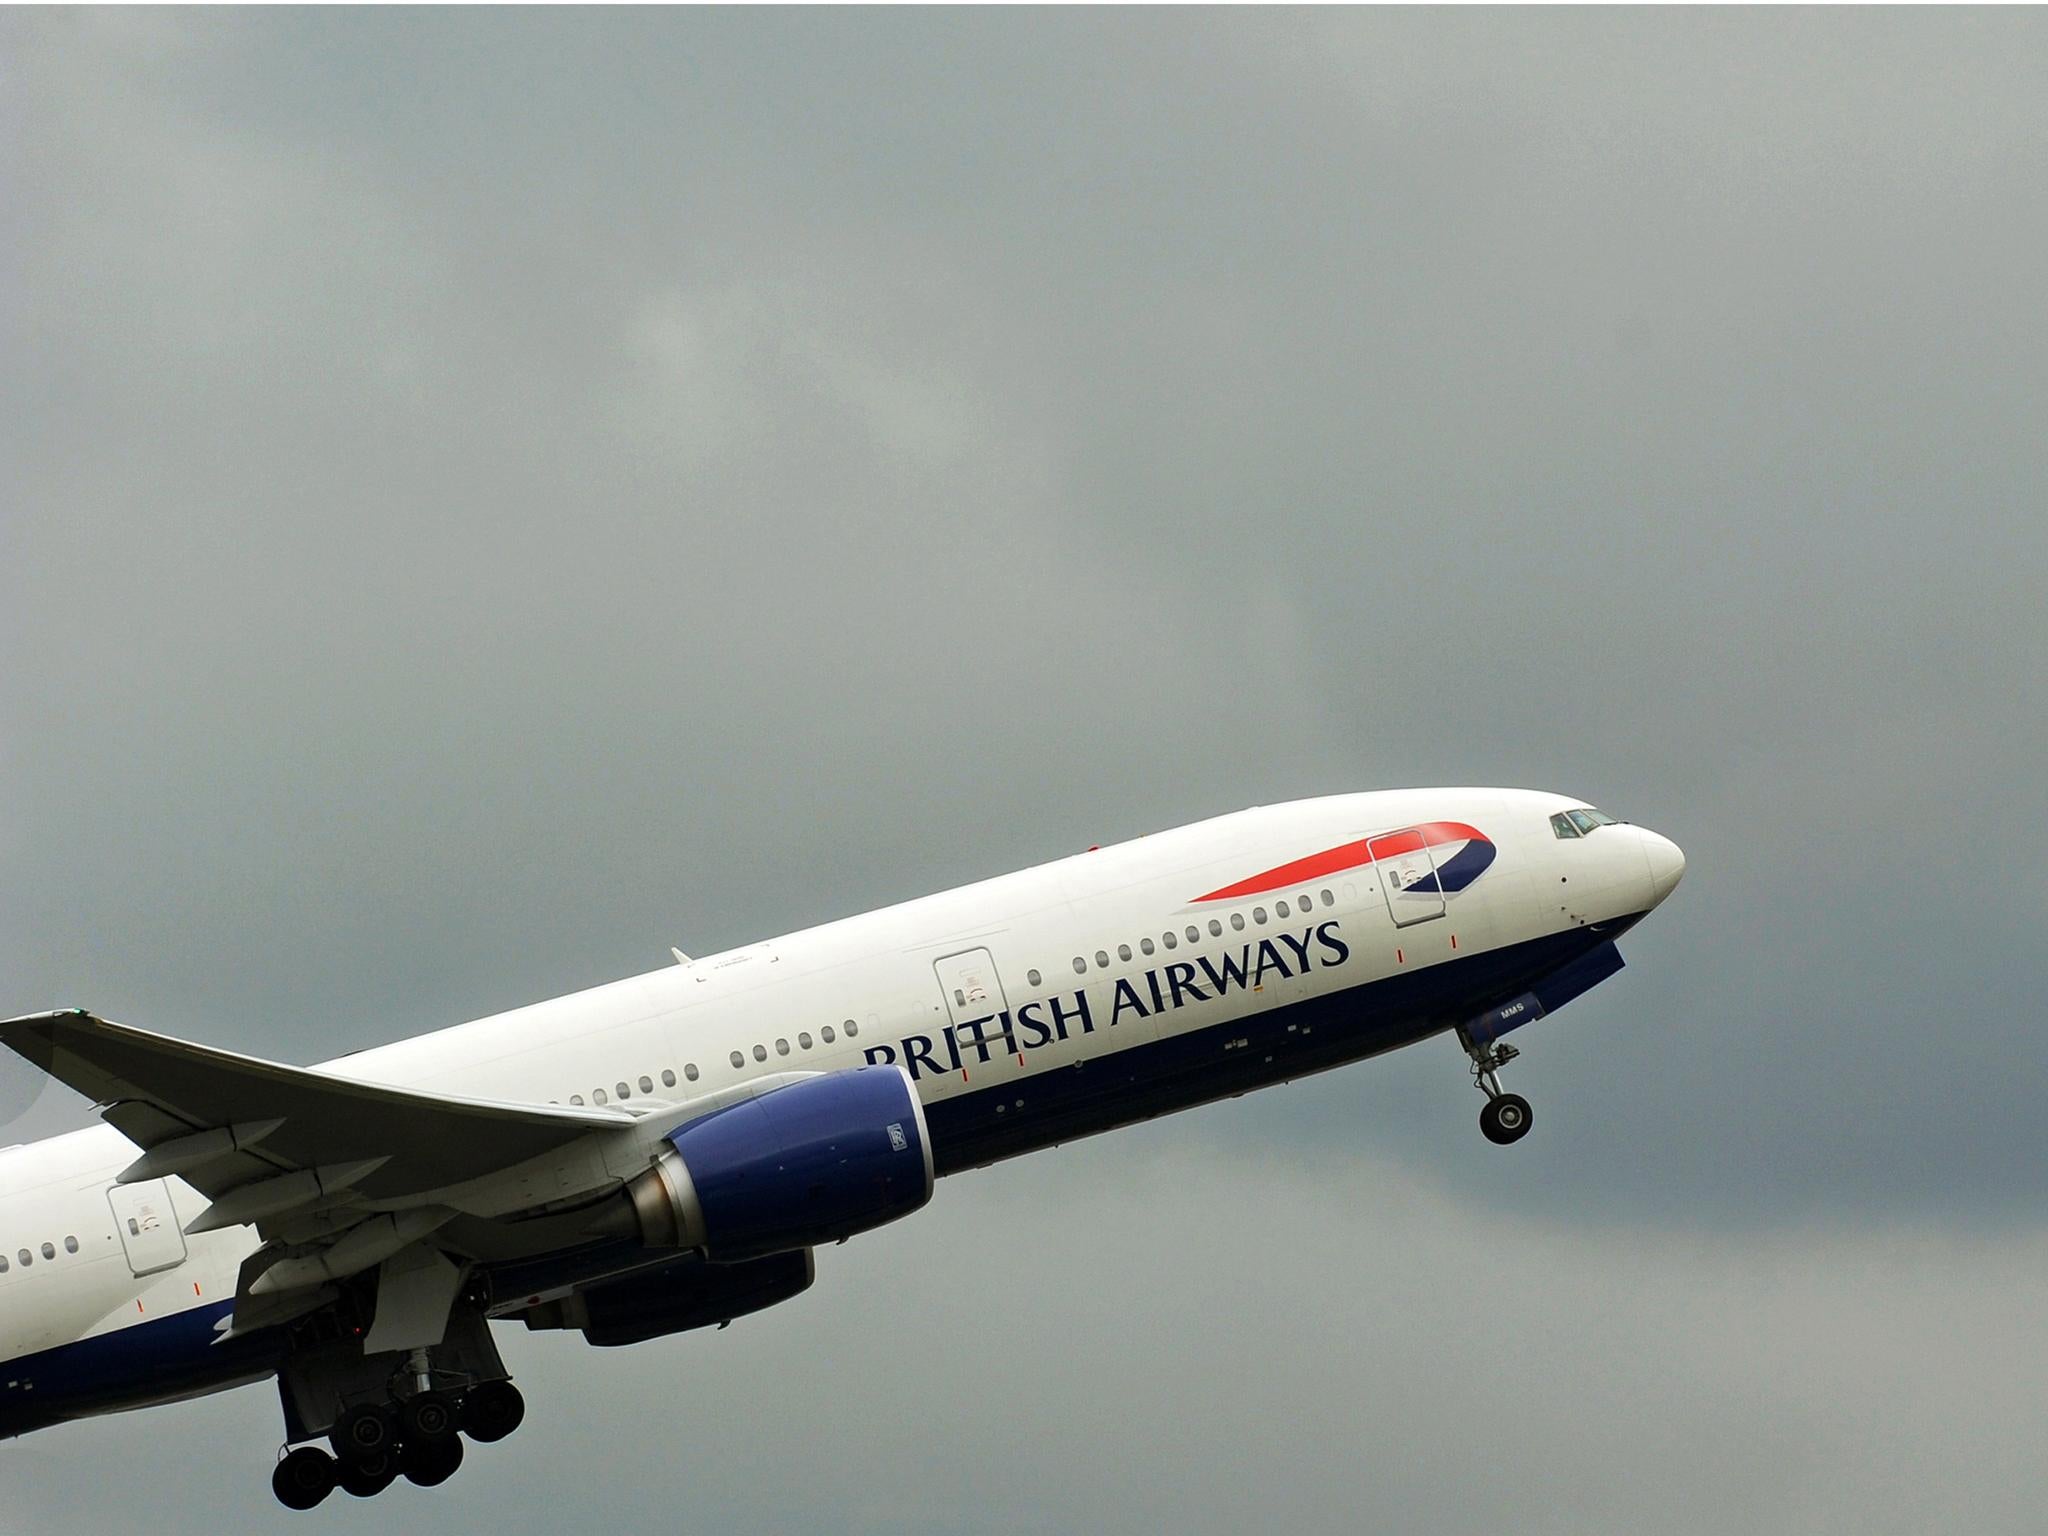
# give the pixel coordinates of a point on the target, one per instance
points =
(1667, 865)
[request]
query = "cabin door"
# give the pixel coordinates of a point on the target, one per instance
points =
(1407, 876)
(148, 1224)
(978, 1010)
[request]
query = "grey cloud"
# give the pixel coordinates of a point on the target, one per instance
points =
(486, 497)
(1120, 1338)
(476, 473)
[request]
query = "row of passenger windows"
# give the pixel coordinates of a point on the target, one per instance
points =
(803, 1042)
(826, 1035)
(624, 1090)
(49, 1252)
(1172, 940)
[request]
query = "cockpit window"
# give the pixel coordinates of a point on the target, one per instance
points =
(1582, 822)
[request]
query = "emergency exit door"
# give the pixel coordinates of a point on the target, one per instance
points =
(148, 1225)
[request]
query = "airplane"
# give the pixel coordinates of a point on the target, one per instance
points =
(668, 1152)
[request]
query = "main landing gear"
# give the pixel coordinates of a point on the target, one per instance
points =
(418, 1438)
(1506, 1115)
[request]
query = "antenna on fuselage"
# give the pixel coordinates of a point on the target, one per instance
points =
(681, 958)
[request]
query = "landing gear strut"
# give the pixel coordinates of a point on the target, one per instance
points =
(1506, 1116)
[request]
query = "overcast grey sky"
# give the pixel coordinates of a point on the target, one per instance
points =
(486, 496)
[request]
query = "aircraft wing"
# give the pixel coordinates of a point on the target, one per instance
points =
(273, 1145)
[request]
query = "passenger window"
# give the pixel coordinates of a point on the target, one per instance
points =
(49, 1250)
(3, 1263)
(690, 1071)
(625, 1091)
(1303, 901)
(852, 1029)
(1258, 914)
(1102, 958)
(803, 1038)
(1279, 909)
(26, 1258)
(647, 1083)
(738, 1060)
(760, 1053)
(1237, 921)
(1216, 928)
(1032, 977)
(1169, 940)
(1328, 899)
(782, 1047)
(1080, 966)
(826, 1033)
(576, 1099)
(668, 1078)
(1123, 951)
(597, 1096)
(71, 1245)
(1194, 934)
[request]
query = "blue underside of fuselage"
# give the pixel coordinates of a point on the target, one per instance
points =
(1128, 1083)
(156, 1360)
(177, 1356)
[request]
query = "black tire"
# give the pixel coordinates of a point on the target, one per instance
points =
(1505, 1119)
(428, 1466)
(302, 1478)
(427, 1418)
(370, 1476)
(492, 1411)
(366, 1430)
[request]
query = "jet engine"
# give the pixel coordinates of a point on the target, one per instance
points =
(810, 1162)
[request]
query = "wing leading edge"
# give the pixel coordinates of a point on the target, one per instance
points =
(262, 1139)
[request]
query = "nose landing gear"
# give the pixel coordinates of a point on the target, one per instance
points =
(1506, 1116)
(1505, 1119)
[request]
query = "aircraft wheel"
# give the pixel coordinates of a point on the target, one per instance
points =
(371, 1475)
(366, 1430)
(302, 1478)
(428, 1466)
(492, 1411)
(1505, 1119)
(428, 1418)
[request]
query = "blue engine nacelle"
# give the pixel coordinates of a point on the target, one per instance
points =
(807, 1163)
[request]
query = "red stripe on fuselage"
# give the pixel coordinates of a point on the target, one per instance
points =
(1356, 855)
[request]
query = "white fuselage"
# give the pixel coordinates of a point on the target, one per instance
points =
(1028, 1008)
